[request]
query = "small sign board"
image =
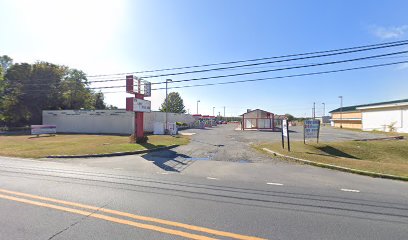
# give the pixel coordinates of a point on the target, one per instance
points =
(285, 127)
(141, 105)
(129, 84)
(285, 133)
(311, 129)
(43, 129)
(147, 89)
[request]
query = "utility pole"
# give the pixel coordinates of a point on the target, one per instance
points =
(197, 105)
(213, 110)
(341, 111)
(167, 106)
(224, 111)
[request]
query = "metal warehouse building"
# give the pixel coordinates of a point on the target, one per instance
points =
(382, 116)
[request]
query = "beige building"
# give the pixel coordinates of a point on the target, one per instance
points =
(374, 116)
(258, 119)
(348, 117)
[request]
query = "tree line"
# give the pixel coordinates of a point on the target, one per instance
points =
(27, 89)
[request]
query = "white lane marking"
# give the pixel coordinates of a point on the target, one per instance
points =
(164, 173)
(273, 183)
(118, 168)
(212, 178)
(349, 190)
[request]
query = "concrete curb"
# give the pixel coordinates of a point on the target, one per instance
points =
(335, 167)
(113, 154)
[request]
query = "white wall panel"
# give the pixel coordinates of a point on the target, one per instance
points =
(106, 121)
(380, 119)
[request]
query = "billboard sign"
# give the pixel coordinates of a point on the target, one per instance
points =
(311, 129)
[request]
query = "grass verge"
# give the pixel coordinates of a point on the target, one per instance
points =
(64, 144)
(384, 157)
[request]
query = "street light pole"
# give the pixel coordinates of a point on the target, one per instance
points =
(166, 128)
(324, 106)
(341, 112)
(213, 111)
(197, 105)
(314, 110)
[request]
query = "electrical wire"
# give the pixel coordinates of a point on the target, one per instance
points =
(252, 60)
(278, 77)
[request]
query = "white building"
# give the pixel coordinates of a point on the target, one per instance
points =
(106, 121)
(385, 116)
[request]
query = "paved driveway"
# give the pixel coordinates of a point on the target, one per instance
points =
(224, 143)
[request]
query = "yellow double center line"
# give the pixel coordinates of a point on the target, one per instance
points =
(123, 214)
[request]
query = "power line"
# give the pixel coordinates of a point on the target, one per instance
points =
(287, 68)
(264, 71)
(123, 79)
(287, 76)
(272, 70)
(252, 60)
(270, 62)
(263, 67)
(279, 77)
(370, 47)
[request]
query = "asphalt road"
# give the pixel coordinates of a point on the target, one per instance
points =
(217, 187)
(269, 202)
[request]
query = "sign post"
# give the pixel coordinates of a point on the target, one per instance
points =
(138, 105)
(311, 129)
(285, 133)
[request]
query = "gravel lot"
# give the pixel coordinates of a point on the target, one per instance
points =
(224, 143)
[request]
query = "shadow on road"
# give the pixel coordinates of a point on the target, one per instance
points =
(169, 160)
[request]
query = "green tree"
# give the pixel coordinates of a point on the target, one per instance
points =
(289, 117)
(5, 62)
(175, 104)
(28, 89)
(99, 101)
(75, 94)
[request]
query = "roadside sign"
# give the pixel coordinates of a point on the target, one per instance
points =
(141, 105)
(285, 133)
(43, 129)
(147, 89)
(284, 127)
(129, 84)
(311, 129)
(138, 105)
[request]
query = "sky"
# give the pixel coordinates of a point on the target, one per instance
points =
(122, 36)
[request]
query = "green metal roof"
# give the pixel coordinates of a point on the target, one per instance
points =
(354, 108)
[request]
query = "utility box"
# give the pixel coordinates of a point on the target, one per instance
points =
(172, 127)
(158, 128)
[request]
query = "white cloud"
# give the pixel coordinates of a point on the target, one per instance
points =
(390, 32)
(402, 66)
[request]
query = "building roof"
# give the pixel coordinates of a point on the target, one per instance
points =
(355, 107)
(256, 110)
